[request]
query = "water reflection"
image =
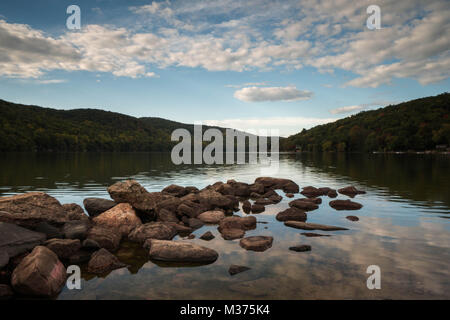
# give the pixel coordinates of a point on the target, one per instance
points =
(401, 228)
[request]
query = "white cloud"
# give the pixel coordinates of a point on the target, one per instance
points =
(346, 109)
(260, 94)
(286, 125)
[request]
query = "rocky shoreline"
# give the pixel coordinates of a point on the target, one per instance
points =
(39, 237)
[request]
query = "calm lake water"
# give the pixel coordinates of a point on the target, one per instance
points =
(403, 227)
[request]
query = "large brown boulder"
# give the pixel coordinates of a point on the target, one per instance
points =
(152, 230)
(102, 261)
(64, 248)
(232, 233)
(345, 205)
(96, 206)
(74, 212)
(212, 217)
(256, 243)
(165, 215)
(350, 191)
(39, 274)
(121, 217)
(175, 190)
(291, 214)
(303, 204)
(180, 251)
(311, 226)
(312, 192)
(286, 185)
(212, 199)
(15, 240)
(31, 208)
(77, 229)
(130, 191)
(236, 222)
(105, 237)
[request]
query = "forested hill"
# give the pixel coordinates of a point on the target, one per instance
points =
(420, 124)
(32, 128)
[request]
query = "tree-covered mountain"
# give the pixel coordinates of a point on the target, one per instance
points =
(419, 124)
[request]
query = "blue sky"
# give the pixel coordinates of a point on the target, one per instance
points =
(249, 64)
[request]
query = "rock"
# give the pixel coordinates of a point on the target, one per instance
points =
(180, 251)
(74, 212)
(312, 192)
(332, 193)
(31, 208)
(312, 234)
(79, 257)
(64, 248)
(130, 191)
(152, 230)
(256, 243)
(121, 217)
(258, 208)
(76, 229)
(192, 189)
(257, 188)
(15, 240)
(350, 191)
(211, 200)
(212, 217)
(311, 226)
(39, 274)
(207, 236)
(106, 238)
(165, 215)
(263, 202)
(352, 218)
(289, 195)
(291, 214)
(286, 185)
(193, 223)
(49, 230)
(345, 205)
(232, 233)
(102, 261)
(255, 196)
(175, 190)
(235, 269)
(6, 292)
(300, 248)
(191, 209)
(96, 206)
(170, 203)
(303, 205)
(236, 222)
(191, 236)
(275, 198)
(90, 244)
(246, 206)
(180, 228)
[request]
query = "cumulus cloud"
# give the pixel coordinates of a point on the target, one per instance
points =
(261, 94)
(347, 109)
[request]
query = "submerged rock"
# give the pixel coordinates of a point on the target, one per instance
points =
(96, 206)
(312, 234)
(352, 218)
(30, 209)
(180, 251)
(300, 248)
(291, 214)
(39, 274)
(121, 217)
(235, 269)
(103, 261)
(256, 243)
(152, 230)
(350, 191)
(76, 229)
(289, 195)
(311, 226)
(64, 248)
(345, 205)
(15, 240)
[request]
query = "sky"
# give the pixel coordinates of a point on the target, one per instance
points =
(284, 65)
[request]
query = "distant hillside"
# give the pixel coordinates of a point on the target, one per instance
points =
(414, 125)
(32, 128)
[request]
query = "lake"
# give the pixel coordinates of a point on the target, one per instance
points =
(403, 228)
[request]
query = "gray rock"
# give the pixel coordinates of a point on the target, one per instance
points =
(15, 240)
(180, 251)
(256, 243)
(96, 206)
(39, 274)
(235, 269)
(311, 226)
